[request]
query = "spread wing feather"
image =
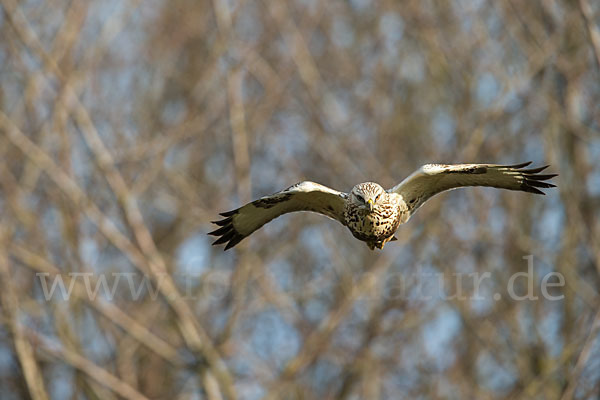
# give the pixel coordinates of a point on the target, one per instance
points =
(432, 179)
(304, 196)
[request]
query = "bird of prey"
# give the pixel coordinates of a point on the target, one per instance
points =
(372, 213)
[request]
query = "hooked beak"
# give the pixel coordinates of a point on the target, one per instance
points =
(370, 204)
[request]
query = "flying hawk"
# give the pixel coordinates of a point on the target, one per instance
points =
(372, 213)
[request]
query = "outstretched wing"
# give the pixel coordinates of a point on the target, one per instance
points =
(432, 179)
(303, 196)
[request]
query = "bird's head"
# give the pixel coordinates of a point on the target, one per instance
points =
(367, 195)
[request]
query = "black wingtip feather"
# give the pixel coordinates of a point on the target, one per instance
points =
(542, 177)
(221, 231)
(539, 184)
(235, 240)
(226, 232)
(519, 166)
(534, 170)
(228, 213)
(226, 237)
(222, 222)
(532, 180)
(531, 189)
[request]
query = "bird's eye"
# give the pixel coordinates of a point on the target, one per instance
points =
(360, 198)
(377, 197)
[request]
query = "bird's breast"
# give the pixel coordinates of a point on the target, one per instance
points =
(372, 226)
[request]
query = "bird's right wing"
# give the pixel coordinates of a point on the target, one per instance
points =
(303, 196)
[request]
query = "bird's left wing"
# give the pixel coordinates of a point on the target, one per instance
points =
(303, 196)
(431, 179)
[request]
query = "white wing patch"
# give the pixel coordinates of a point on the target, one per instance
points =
(303, 196)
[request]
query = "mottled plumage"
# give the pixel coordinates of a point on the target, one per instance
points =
(370, 212)
(373, 215)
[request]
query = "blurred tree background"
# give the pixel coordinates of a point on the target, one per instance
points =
(126, 126)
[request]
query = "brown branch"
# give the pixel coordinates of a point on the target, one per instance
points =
(588, 16)
(10, 306)
(97, 373)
